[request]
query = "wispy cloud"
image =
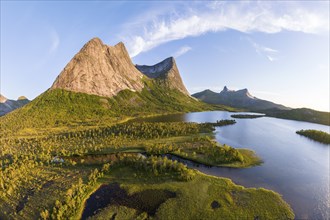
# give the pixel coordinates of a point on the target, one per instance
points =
(197, 19)
(55, 41)
(182, 51)
(269, 53)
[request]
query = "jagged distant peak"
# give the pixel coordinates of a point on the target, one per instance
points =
(242, 92)
(22, 98)
(225, 89)
(100, 69)
(8, 105)
(3, 99)
(237, 98)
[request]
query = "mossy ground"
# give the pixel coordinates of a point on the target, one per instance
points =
(249, 159)
(194, 198)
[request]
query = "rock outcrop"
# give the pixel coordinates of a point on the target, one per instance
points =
(3, 99)
(101, 70)
(166, 73)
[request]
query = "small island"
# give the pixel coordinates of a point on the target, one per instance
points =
(246, 116)
(319, 136)
(225, 122)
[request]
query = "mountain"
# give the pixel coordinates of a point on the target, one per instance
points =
(101, 86)
(244, 100)
(8, 105)
(301, 114)
(3, 99)
(165, 73)
(100, 70)
(238, 99)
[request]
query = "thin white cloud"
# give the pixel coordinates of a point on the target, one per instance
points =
(55, 41)
(245, 17)
(269, 53)
(182, 51)
(271, 59)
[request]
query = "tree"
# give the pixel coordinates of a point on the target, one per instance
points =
(44, 214)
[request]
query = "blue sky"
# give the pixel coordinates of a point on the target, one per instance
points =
(278, 50)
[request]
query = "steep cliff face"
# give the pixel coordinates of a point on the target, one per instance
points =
(165, 73)
(100, 70)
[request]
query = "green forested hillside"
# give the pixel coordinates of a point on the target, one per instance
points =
(301, 114)
(60, 108)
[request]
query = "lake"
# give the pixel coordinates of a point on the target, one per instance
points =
(294, 166)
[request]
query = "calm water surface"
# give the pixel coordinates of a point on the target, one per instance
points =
(294, 166)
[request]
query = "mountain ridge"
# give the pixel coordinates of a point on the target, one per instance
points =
(238, 99)
(9, 105)
(244, 100)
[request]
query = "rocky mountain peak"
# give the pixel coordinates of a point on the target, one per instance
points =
(246, 93)
(22, 98)
(165, 72)
(93, 44)
(3, 99)
(158, 70)
(8, 105)
(225, 90)
(101, 70)
(242, 92)
(237, 98)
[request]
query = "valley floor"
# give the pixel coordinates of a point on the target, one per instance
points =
(53, 176)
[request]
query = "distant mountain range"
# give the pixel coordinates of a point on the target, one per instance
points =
(239, 99)
(242, 99)
(8, 105)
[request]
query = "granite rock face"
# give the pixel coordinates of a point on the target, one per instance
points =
(3, 99)
(101, 70)
(166, 73)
